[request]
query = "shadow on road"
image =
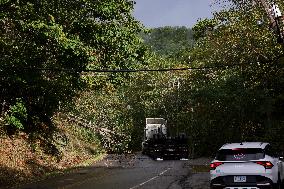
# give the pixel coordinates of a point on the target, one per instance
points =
(9, 176)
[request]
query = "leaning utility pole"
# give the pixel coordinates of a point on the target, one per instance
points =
(267, 10)
(275, 17)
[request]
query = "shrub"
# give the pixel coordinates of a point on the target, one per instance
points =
(17, 115)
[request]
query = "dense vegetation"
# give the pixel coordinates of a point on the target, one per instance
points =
(46, 46)
(240, 98)
(48, 49)
(170, 42)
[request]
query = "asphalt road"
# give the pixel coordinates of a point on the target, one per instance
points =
(132, 172)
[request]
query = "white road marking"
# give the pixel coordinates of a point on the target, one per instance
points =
(153, 178)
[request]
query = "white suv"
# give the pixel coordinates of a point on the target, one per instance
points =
(247, 165)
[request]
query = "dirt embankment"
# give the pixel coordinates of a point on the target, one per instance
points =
(24, 158)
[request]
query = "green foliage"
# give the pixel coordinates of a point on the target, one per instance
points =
(241, 101)
(111, 115)
(203, 27)
(17, 115)
(170, 42)
(238, 100)
(45, 46)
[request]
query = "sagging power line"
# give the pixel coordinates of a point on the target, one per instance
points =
(128, 70)
(221, 66)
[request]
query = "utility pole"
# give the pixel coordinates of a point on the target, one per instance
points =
(267, 10)
(275, 17)
(177, 85)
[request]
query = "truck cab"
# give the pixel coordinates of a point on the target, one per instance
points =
(159, 145)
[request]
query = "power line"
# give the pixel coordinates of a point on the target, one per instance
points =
(221, 66)
(157, 70)
(134, 70)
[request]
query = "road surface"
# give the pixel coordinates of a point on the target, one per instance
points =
(132, 172)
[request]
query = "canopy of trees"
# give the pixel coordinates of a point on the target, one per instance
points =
(171, 42)
(45, 46)
(241, 96)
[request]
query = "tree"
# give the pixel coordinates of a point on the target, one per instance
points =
(170, 42)
(45, 46)
(240, 97)
(242, 94)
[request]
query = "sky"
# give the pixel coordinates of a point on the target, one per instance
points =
(159, 13)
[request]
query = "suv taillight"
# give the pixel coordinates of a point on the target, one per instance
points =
(214, 165)
(265, 164)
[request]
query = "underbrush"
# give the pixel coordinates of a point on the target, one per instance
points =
(27, 157)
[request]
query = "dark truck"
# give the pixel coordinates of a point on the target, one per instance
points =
(158, 145)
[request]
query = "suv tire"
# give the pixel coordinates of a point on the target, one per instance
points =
(278, 185)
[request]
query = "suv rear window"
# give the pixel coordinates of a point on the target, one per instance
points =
(240, 154)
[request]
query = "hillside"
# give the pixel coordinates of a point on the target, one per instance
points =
(25, 158)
